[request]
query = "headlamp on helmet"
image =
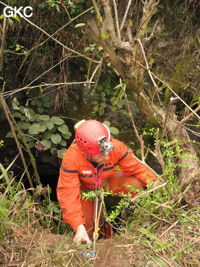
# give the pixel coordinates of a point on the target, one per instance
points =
(105, 147)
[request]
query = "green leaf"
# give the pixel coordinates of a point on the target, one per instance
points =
(61, 153)
(107, 123)
(151, 61)
(31, 144)
(46, 143)
(34, 129)
(24, 125)
(101, 110)
(40, 109)
(63, 143)
(79, 25)
(86, 49)
(56, 139)
(9, 135)
(57, 120)
(44, 117)
(105, 36)
(114, 130)
(66, 135)
(63, 129)
(15, 104)
(28, 139)
(37, 118)
(47, 135)
(95, 108)
(43, 128)
(45, 98)
(10, 21)
(22, 109)
(18, 115)
(28, 112)
(49, 125)
(17, 18)
(36, 102)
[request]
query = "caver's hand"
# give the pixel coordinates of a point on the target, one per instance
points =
(81, 235)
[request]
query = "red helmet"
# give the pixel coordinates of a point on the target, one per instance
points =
(93, 138)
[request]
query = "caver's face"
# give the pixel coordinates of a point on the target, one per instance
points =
(100, 159)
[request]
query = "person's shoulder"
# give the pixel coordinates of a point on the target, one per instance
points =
(117, 143)
(72, 151)
(119, 146)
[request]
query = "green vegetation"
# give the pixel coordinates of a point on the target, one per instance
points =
(158, 229)
(65, 64)
(43, 131)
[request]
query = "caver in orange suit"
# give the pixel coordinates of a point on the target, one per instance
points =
(77, 173)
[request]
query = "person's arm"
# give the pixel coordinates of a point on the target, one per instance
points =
(130, 165)
(68, 192)
(69, 197)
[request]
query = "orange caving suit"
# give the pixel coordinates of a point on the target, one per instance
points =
(77, 173)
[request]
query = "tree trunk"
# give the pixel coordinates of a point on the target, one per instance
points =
(128, 59)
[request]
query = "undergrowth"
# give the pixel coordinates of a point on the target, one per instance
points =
(156, 231)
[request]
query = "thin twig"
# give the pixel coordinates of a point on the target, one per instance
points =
(117, 21)
(188, 116)
(8, 115)
(153, 215)
(3, 43)
(147, 192)
(94, 72)
(98, 76)
(45, 72)
(169, 228)
(125, 15)
(147, 64)
(39, 214)
(29, 246)
(135, 128)
(192, 131)
(11, 92)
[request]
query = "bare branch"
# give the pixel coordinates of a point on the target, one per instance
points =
(3, 42)
(99, 18)
(45, 72)
(125, 15)
(135, 128)
(108, 24)
(188, 116)
(147, 64)
(94, 72)
(8, 93)
(10, 118)
(148, 11)
(149, 191)
(117, 21)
